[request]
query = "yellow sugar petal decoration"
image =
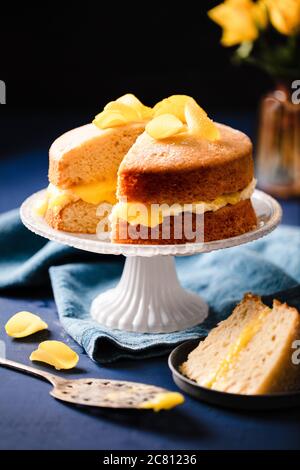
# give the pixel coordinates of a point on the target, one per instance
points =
(108, 119)
(175, 105)
(23, 324)
(125, 109)
(55, 353)
(164, 126)
(144, 112)
(129, 113)
(199, 123)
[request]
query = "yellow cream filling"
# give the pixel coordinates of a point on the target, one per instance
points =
(242, 341)
(151, 215)
(96, 192)
(163, 401)
(93, 193)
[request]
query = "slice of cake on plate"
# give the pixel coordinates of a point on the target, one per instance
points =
(184, 165)
(251, 352)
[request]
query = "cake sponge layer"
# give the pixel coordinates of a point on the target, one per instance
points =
(77, 216)
(186, 169)
(88, 154)
(229, 221)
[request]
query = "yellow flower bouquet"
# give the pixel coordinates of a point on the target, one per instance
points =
(266, 33)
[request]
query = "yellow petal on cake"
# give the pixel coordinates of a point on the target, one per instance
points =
(130, 100)
(175, 105)
(164, 126)
(130, 114)
(56, 354)
(145, 112)
(23, 324)
(108, 119)
(199, 123)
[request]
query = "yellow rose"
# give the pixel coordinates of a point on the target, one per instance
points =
(284, 15)
(241, 20)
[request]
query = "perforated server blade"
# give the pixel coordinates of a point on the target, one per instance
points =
(103, 393)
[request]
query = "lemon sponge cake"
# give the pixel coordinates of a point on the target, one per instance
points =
(184, 163)
(171, 159)
(251, 352)
(83, 165)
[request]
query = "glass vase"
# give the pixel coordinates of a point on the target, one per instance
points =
(278, 146)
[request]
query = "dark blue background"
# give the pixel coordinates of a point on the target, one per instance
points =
(31, 419)
(61, 57)
(61, 65)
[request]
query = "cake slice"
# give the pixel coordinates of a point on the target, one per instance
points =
(83, 165)
(250, 352)
(191, 167)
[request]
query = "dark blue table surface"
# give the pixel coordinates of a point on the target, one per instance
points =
(31, 419)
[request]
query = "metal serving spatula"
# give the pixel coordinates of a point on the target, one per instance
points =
(103, 393)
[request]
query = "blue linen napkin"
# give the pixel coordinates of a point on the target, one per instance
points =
(268, 266)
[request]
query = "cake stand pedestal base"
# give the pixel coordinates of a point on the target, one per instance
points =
(149, 299)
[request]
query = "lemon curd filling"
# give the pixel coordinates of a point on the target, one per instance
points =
(151, 215)
(132, 212)
(96, 192)
(92, 193)
(237, 346)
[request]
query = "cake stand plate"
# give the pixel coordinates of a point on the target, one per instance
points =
(149, 297)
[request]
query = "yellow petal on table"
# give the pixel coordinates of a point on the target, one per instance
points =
(175, 105)
(108, 119)
(23, 324)
(144, 112)
(163, 401)
(164, 126)
(55, 353)
(199, 123)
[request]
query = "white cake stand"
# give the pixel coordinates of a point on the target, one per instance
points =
(149, 297)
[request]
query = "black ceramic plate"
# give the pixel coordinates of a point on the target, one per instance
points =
(228, 400)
